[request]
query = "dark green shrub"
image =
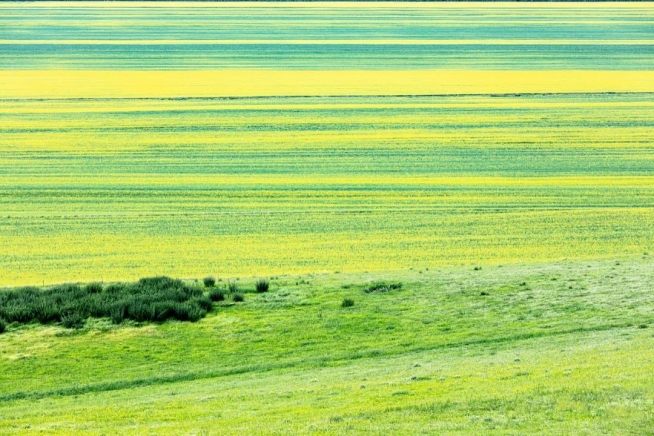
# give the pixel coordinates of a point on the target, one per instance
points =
(158, 283)
(117, 313)
(233, 287)
(196, 314)
(181, 311)
(163, 311)
(209, 282)
(238, 297)
(45, 312)
(72, 321)
(217, 294)
(149, 299)
(140, 311)
(202, 302)
(262, 285)
(114, 288)
(3, 326)
(382, 287)
(93, 288)
(347, 302)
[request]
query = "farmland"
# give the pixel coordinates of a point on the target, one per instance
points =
(285, 138)
(496, 159)
(96, 190)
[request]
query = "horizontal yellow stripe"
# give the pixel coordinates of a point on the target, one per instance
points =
(247, 83)
(326, 42)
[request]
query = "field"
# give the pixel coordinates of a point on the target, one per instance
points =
(555, 348)
(497, 159)
(293, 138)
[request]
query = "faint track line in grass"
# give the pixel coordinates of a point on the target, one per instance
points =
(308, 363)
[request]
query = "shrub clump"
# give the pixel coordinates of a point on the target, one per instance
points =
(232, 287)
(262, 285)
(347, 302)
(94, 288)
(238, 297)
(217, 295)
(72, 321)
(382, 287)
(3, 326)
(209, 282)
(153, 299)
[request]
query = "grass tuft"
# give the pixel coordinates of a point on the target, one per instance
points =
(94, 288)
(209, 282)
(382, 287)
(238, 297)
(347, 302)
(217, 295)
(262, 285)
(72, 321)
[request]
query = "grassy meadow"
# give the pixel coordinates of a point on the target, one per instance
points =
(497, 159)
(553, 348)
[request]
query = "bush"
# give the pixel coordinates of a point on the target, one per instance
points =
(158, 283)
(262, 285)
(347, 302)
(117, 314)
(238, 297)
(202, 302)
(149, 299)
(94, 288)
(217, 295)
(114, 288)
(209, 282)
(382, 287)
(72, 321)
(233, 287)
(196, 314)
(3, 326)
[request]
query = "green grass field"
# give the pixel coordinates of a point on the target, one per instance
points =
(553, 348)
(497, 159)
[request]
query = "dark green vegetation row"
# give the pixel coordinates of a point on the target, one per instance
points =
(155, 299)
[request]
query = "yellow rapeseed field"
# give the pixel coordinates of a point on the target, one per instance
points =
(234, 139)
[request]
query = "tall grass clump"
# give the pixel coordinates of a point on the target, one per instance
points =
(209, 282)
(72, 321)
(232, 287)
(238, 297)
(217, 295)
(262, 285)
(94, 288)
(153, 299)
(3, 326)
(382, 287)
(347, 302)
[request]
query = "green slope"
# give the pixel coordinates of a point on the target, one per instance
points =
(554, 348)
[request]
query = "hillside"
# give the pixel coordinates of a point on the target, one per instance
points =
(559, 348)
